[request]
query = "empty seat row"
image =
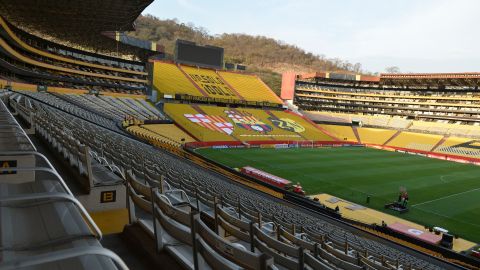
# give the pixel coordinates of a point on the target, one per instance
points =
(42, 225)
(265, 242)
(150, 165)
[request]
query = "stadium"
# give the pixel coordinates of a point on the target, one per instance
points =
(118, 155)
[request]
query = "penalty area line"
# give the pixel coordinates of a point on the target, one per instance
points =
(452, 195)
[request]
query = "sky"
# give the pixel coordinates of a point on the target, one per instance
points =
(415, 35)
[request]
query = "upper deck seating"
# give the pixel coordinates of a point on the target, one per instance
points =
(39, 65)
(170, 79)
(439, 105)
(446, 128)
(368, 120)
(29, 43)
(250, 87)
(39, 62)
(209, 83)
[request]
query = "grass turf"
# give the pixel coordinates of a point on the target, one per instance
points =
(442, 193)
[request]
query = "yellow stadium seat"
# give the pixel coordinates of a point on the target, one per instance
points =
(162, 134)
(210, 83)
(417, 141)
(171, 79)
(210, 123)
(168, 79)
(344, 133)
(250, 87)
(460, 147)
(375, 135)
(170, 131)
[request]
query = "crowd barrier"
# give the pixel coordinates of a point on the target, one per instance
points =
(270, 144)
(315, 144)
(454, 158)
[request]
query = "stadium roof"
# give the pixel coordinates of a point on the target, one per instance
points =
(79, 21)
(432, 79)
(470, 79)
(74, 16)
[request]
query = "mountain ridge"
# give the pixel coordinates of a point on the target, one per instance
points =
(264, 56)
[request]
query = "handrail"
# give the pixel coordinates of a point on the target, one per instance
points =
(10, 125)
(53, 196)
(54, 256)
(10, 132)
(51, 169)
(16, 122)
(88, 226)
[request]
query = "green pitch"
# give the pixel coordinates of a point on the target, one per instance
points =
(442, 193)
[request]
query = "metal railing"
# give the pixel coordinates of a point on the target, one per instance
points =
(36, 167)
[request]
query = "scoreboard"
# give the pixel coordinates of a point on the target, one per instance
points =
(189, 53)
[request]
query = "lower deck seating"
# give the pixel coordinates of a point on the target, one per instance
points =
(449, 145)
(150, 165)
(253, 239)
(161, 133)
(416, 141)
(375, 135)
(116, 107)
(396, 122)
(211, 123)
(344, 133)
(170, 131)
(460, 147)
(42, 224)
(57, 102)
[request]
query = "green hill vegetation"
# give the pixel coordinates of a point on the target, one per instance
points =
(262, 55)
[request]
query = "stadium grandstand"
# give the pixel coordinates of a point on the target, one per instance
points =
(103, 165)
(425, 112)
(171, 80)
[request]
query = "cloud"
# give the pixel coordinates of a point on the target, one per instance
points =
(419, 36)
(437, 32)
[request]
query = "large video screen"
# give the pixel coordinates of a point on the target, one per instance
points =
(206, 56)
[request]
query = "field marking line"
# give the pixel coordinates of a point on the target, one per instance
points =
(449, 217)
(452, 195)
(442, 178)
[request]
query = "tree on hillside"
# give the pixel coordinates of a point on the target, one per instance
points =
(393, 69)
(266, 56)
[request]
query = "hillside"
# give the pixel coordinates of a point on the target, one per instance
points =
(264, 56)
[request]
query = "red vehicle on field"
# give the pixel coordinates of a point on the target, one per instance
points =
(273, 180)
